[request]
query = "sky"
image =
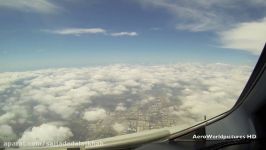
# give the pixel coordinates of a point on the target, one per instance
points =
(65, 64)
(64, 33)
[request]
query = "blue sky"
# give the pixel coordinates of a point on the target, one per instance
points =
(63, 33)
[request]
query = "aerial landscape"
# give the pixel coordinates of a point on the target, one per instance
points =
(86, 70)
(99, 102)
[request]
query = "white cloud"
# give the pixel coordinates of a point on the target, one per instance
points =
(147, 100)
(120, 107)
(40, 6)
(7, 117)
(96, 114)
(41, 109)
(7, 133)
(78, 31)
(46, 133)
(14, 113)
(118, 127)
(250, 37)
(124, 34)
(63, 108)
(82, 31)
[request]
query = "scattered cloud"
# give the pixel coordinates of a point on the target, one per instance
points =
(120, 107)
(39, 6)
(124, 34)
(64, 109)
(46, 133)
(41, 109)
(250, 37)
(96, 114)
(118, 127)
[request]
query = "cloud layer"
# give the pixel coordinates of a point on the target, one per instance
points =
(77, 99)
